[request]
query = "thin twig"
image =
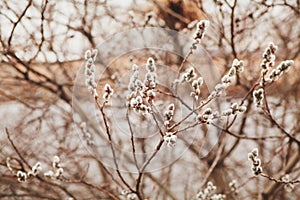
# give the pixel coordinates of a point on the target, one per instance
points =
(101, 108)
(132, 141)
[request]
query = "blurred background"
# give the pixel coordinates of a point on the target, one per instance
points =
(42, 45)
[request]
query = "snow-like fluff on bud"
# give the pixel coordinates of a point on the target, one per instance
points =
(87, 54)
(170, 139)
(139, 84)
(227, 112)
(192, 24)
(49, 174)
(208, 193)
(268, 58)
(283, 67)
(255, 161)
(207, 116)
(258, 96)
(35, 169)
(135, 67)
(196, 84)
(212, 95)
(55, 162)
(207, 111)
(220, 86)
(90, 57)
(57, 167)
(142, 92)
(131, 86)
(188, 75)
(229, 78)
(242, 109)
(150, 66)
(233, 187)
(238, 65)
(131, 196)
(22, 176)
(108, 92)
(231, 72)
(201, 29)
(59, 172)
(169, 113)
(234, 109)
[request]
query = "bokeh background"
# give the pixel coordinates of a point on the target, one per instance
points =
(42, 45)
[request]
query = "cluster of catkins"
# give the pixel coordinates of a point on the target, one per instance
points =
(90, 57)
(207, 116)
(236, 68)
(141, 93)
(58, 169)
(22, 176)
(168, 114)
(208, 193)
(200, 30)
(107, 92)
(126, 195)
(234, 109)
(170, 139)
(268, 58)
(258, 96)
(283, 67)
(255, 161)
(268, 63)
(190, 76)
